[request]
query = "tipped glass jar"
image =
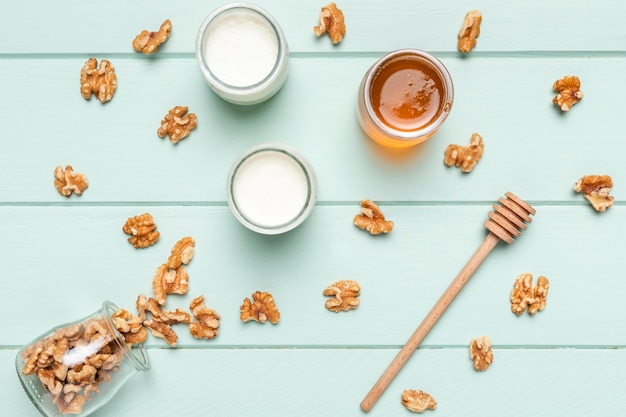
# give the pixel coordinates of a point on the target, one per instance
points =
(271, 188)
(77, 367)
(404, 98)
(243, 53)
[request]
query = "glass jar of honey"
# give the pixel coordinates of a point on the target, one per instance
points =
(404, 98)
(78, 367)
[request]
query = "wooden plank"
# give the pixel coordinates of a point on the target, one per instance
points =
(530, 146)
(559, 25)
(252, 382)
(64, 261)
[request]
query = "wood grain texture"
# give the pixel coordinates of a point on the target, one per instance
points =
(63, 257)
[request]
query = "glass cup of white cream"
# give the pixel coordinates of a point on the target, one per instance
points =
(271, 188)
(242, 52)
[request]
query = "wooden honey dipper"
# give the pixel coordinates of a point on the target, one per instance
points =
(505, 223)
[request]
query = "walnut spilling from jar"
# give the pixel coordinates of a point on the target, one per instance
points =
(469, 31)
(417, 400)
(100, 81)
(148, 42)
(372, 219)
(569, 92)
(596, 189)
(177, 123)
(169, 281)
(465, 157)
(72, 379)
(260, 309)
(345, 293)
(67, 181)
(207, 326)
(524, 295)
(481, 353)
(142, 230)
(331, 22)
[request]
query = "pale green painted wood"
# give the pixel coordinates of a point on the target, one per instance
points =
(63, 257)
(67, 260)
(530, 146)
(534, 25)
(252, 382)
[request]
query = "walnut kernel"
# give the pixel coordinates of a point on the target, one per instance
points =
(331, 21)
(465, 157)
(596, 189)
(526, 296)
(182, 252)
(147, 42)
(169, 281)
(260, 309)
(417, 400)
(569, 92)
(142, 230)
(177, 123)
(100, 81)
(162, 330)
(469, 31)
(207, 326)
(345, 293)
(481, 353)
(372, 219)
(67, 181)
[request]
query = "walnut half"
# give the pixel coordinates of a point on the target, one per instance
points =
(345, 293)
(470, 30)
(331, 22)
(372, 219)
(148, 42)
(260, 309)
(68, 181)
(481, 353)
(465, 157)
(418, 400)
(524, 295)
(100, 81)
(177, 123)
(569, 92)
(142, 230)
(596, 189)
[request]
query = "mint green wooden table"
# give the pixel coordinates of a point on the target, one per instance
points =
(63, 257)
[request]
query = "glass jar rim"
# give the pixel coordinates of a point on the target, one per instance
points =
(280, 56)
(448, 98)
(307, 170)
(137, 354)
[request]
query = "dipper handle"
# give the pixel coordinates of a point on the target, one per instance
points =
(503, 225)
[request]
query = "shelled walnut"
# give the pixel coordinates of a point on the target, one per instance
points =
(169, 281)
(470, 30)
(142, 230)
(207, 326)
(162, 330)
(596, 189)
(372, 219)
(260, 309)
(417, 400)
(68, 181)
(177, 123)
(100, 81)
(481, 353)
(569, 92)
(148, 42)
(332, 22)
(345, 293)
(526, 296)
(182, 252)
(465, 157)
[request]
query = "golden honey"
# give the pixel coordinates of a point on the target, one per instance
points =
(404, 98)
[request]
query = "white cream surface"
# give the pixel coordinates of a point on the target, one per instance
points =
(270, 188)
(241, 48)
